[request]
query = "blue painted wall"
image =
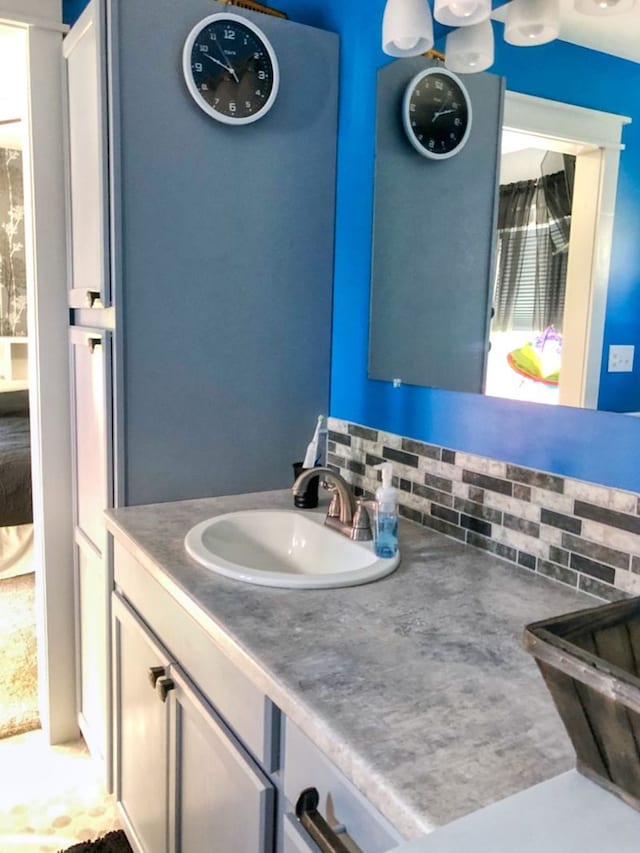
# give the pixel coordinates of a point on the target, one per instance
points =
(595, 446)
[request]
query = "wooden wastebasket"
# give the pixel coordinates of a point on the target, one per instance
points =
(590, 661)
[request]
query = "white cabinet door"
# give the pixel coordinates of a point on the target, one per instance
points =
(90, 361)
(87, 194)
(220, 800)
(91, 431)
(140, 731)
(92, 653)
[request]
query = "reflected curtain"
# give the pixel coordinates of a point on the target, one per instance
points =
(13, 282)
(534, 224)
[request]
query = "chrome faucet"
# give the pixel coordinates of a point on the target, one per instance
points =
(345, 514)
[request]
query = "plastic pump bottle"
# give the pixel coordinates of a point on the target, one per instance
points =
(386, 515)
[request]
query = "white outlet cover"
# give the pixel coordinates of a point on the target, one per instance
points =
(621, 358)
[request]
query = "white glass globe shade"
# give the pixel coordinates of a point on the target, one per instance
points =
(470, 49)
(407, 28)
(532, 22)
(461, 13)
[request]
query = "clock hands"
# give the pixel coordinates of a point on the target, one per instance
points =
(229, 68)
(221, 64)
(441, 113)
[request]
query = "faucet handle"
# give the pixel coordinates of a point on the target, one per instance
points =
(361, 530)
(334, 506)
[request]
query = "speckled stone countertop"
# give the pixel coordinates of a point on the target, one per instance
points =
(415, 686)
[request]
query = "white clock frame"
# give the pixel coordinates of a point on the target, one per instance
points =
(406, 113)
(195, 92)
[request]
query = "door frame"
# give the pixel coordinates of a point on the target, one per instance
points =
(48, 319)
(595, 138)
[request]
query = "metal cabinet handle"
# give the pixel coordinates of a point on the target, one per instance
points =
(317, 827)
(154, 673)
(163, 686)
(91, 297)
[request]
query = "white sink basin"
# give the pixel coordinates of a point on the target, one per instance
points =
(284, 548)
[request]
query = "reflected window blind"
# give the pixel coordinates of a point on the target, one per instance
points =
(536, 304)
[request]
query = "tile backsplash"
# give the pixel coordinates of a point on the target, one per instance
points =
(579, 533)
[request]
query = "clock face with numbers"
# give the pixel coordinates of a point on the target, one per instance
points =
(230, 68)
(436, 113)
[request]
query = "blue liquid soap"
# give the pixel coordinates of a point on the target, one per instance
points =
(386, 535)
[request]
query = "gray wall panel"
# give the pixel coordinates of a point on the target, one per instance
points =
(227, 262)
(433, 242)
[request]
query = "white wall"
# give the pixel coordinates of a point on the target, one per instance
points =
(50, 10)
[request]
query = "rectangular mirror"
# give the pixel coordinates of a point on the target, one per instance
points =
(490, 268)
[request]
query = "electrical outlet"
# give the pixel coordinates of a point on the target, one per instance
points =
(621, 358)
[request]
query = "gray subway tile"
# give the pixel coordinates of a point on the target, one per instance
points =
(440, 483)
(560, 573)
(476, 495)
(557, 519)
(363, 432)
(487, 513)
(449, 456)
(443, 527)
(527, 560)
(446, 514)
(558, 555)
(372, 460)
(410, 513)
(596, 552)
(405, 485)
(523, 493)
(338, 461)
(497, 548)
(432, 495)
(422, 449)
(602, 590)
(339, 438)
(356, 467)
(592, 568)
(484, 481)
(476, 524)
(522, 525)
(611, 517)
(635, 565)
(409, 459)
(536, 478)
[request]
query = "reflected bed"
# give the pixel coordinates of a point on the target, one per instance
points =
(16, 509)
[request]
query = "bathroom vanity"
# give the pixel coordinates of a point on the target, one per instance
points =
(406, 703)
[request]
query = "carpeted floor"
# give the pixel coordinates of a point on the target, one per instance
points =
(18, 662)
(52, 798)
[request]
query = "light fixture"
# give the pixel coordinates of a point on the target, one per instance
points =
(461, 13)
(407, 28)
(532, 22)
(470, 49)
(603, 7)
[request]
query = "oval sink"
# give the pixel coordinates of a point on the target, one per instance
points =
(283, 548)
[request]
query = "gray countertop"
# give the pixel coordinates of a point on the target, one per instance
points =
(415, 686)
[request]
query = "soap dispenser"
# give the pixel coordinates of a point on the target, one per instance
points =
(385, 527)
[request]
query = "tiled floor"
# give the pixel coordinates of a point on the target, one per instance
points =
(50, 797)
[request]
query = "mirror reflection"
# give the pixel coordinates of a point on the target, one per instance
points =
(546, 290)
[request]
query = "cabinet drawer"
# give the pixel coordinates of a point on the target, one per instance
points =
(294, 837)
(246, 710)
(341, 804)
